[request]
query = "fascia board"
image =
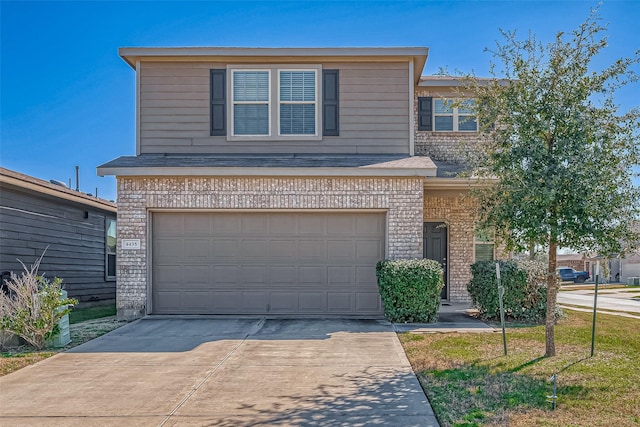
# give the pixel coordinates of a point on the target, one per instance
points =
(266, 171)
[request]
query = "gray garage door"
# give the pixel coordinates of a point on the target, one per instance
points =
(266, 263)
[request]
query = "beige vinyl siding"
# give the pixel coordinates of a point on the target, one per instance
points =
(174, 111)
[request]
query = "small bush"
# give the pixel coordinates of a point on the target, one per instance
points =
(410, 289)
(32, 307)
(525, 291)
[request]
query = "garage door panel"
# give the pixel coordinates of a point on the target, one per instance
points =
(339, 302)
(283, 275)
(312, 302)
(368, 249)
(312, 250)
(261, 263)
(283, 224)
(339, 275)
(197, 224)
(312, 275)
(225, 248)
(225, 302)
(225, 223)
(312, 224)
(254, 301)
(255, 275)
(254, 224)
(197, 301)
(344, 249)
(282, 249)
(197, 249)
(167, 250)
(226, 275)
(367, 301)
(365, 276)
(284, 302)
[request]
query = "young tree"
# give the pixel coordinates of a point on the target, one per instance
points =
(560, 156)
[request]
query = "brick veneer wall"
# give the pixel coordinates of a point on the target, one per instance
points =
(457, 213)
(402, 197)
(445, 146)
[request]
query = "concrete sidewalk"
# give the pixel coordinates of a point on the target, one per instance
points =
(452, 317)
(223, 372)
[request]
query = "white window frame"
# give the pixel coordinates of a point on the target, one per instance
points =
(274, 102)
(316, 102)
(233, 102)
(107, 277)
(455, 114)
(491, 241)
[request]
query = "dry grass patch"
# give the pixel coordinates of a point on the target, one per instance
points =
(19, 357)
(470, 382)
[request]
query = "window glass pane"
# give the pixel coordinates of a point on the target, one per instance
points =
(251, 119)
(466, 106)
(467, 123)
(298, 86)
(297, 119)
(484, 252)
(251, 86)
(483, 234)
(444, 122)
(111, 236)
(442, 107)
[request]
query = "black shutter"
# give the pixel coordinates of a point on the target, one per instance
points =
(218, 102)
(330, 104)
(424, 113)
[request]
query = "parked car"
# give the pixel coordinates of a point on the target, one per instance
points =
(571, 275)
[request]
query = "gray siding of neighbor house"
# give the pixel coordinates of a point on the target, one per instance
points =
(29, 222)
(175, 111)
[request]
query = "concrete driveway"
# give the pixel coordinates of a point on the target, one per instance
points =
(223, 372)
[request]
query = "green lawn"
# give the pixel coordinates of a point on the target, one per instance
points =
(81, 314)
(470, 382)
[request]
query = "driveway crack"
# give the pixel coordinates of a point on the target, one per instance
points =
(252, 331)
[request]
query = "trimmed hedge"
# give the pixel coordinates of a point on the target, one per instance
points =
(410, 289)
(525, 291)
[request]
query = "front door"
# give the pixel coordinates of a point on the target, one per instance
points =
(435, 247)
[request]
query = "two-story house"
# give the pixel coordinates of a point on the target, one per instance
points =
(271, 180)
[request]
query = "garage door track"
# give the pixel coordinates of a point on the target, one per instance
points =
(223, 372)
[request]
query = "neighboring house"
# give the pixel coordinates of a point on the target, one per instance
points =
(271, 180)
(78, 230)
(576, 261)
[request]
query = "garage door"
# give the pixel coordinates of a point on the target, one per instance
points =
(267, 263)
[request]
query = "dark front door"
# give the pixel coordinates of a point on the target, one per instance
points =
(435, 247)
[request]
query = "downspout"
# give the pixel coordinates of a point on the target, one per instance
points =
(411, 113)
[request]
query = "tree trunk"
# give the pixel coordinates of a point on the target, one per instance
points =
(532, 251)
(552, 294)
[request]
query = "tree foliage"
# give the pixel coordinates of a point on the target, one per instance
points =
(561, 153)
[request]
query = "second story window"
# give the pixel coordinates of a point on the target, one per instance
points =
(251, 103)
(454, 119)
(297, 102)
(438, 114)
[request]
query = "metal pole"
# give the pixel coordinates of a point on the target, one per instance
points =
(500, 294)
(77, 178)
(595, 304)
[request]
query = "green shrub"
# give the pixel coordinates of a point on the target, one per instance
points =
(525, 291)
(410, 289)
(33, 306)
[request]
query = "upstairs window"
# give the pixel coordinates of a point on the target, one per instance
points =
(437, 114)
(297, 102)
(251, 101)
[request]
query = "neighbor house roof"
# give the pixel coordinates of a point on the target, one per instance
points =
(284, 54)
(17, 179)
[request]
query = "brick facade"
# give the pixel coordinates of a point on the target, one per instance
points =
(457, 213)
(401, 197)
(445, 146)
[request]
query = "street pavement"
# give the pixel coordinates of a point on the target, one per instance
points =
(614, 300)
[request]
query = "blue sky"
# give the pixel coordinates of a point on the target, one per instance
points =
(67, 98)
